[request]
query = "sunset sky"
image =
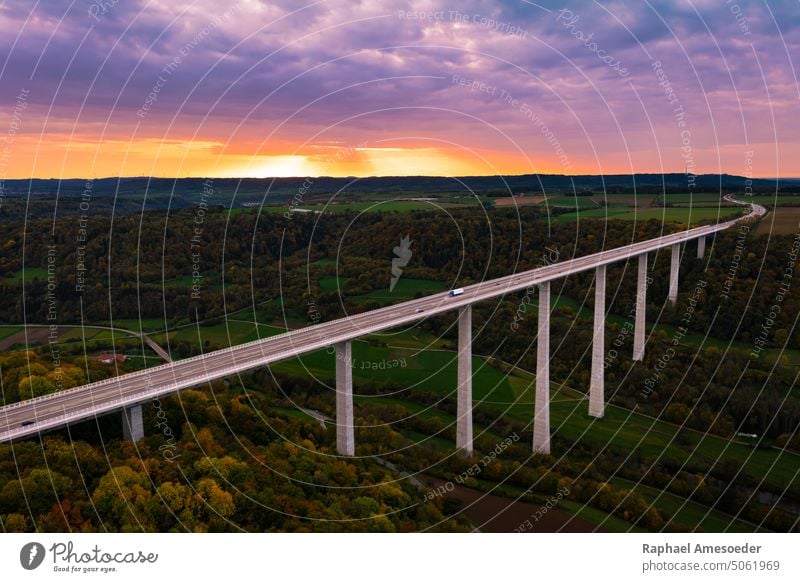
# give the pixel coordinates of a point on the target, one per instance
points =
(294, 88)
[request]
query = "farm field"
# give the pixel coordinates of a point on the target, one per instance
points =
(18, 339)
(782, 200)
(429, 371)
(571, 202)
(688, 216)
(222, 335)
(377, 206)
(640, 201)
(695, 197)
(9, 330)
(780, 220)
(518, 201)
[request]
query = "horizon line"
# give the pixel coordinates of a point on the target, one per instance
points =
(399, 176)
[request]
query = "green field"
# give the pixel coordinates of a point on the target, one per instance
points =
(571, 202)
(624, 431)
(688, 216)
(781, 200)
(790, 357)
(640, 200)
(702, 197)
(431, 371)
(410, 338)
(685, 208)
(72, 334)
(293, 413)
(438, 443)
(91, 335)
(39, 334)
(609, 523)
(139, 325)
(331, 284)
(222, 335)
(9, 330)
(378, 206)
(115, 335)
(324, 262)
(28, 274)
(690, 515)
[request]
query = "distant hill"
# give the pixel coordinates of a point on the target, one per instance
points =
(127, 195)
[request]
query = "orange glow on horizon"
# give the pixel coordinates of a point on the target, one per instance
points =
(61, 158)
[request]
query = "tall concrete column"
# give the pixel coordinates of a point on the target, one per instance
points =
(701, 247)
(132, 423)
(464, 423)
(345, 436)
(597, 386)
(541, 420)
(674, 268)
(641, 304)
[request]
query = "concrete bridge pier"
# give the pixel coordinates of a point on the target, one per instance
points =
(701, 247)
(132, 423)
(464, 409)
(345, 435)
(641, 304)
(597, 386)
(674, 269)
(541, 419)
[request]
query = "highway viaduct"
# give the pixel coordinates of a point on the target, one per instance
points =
(127, 392)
